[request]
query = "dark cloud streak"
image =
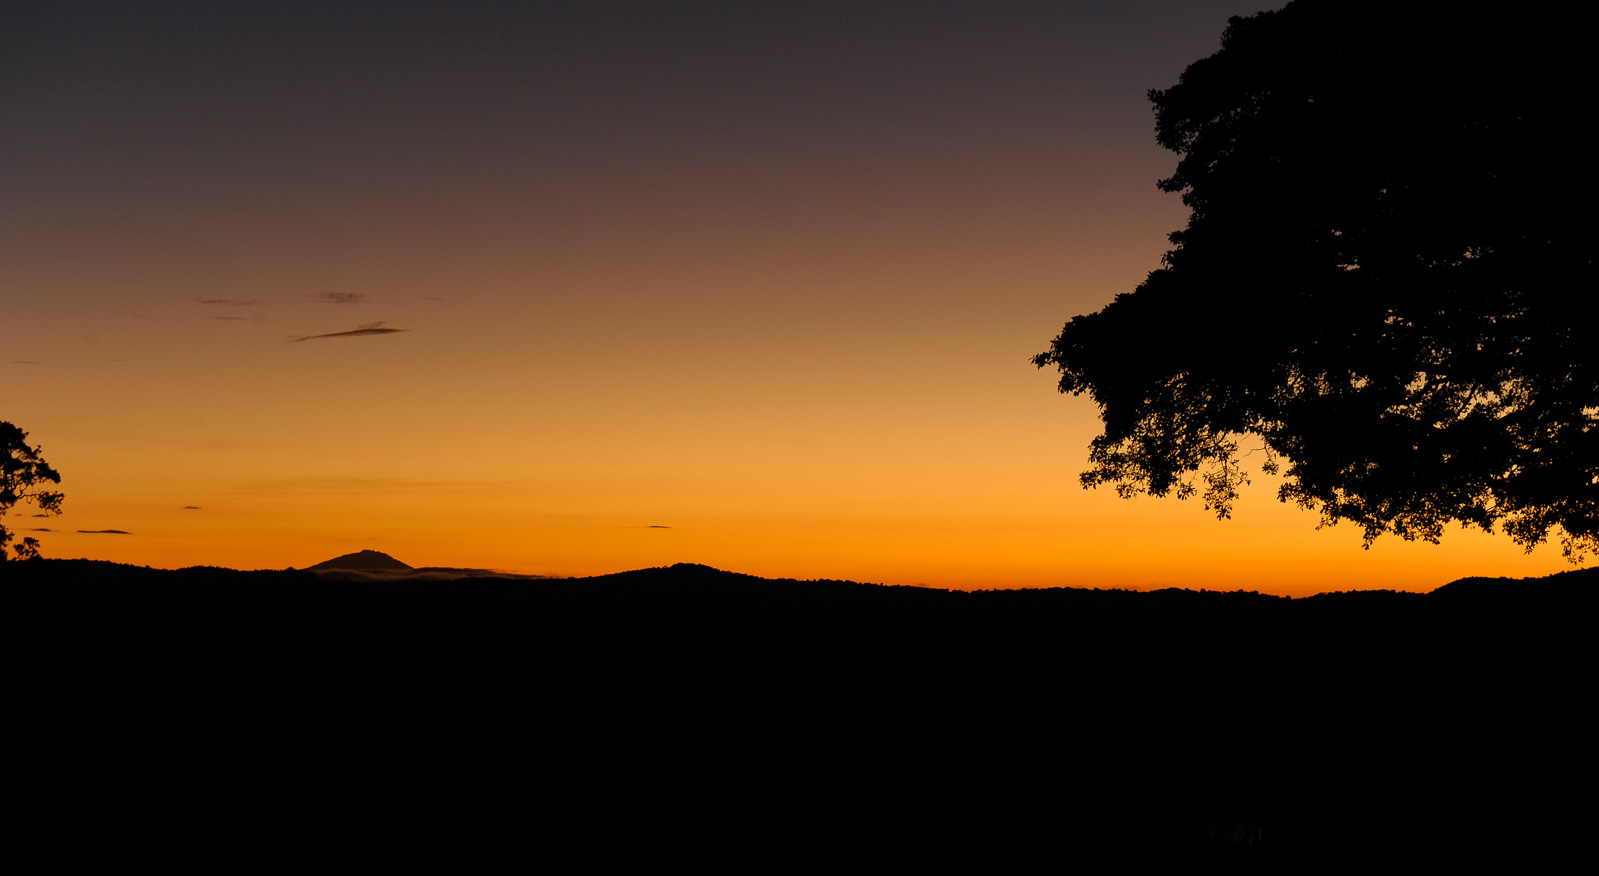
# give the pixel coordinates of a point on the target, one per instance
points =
(374, 328)
(105, 532)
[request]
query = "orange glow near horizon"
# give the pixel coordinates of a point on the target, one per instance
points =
(768, 305)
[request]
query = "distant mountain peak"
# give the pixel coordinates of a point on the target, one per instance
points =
(360, 560)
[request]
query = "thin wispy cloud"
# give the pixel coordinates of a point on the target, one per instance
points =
(239, 318)
(191, 507)
(229, 302)
(371, 328)
(23, 362)
(339, 297)
(105, 532)
(657, 526)
(41, 529)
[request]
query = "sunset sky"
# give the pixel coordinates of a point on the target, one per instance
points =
(577, 288)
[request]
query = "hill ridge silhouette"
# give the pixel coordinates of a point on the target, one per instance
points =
(1161, 714)
(371, 565)
(362, 560)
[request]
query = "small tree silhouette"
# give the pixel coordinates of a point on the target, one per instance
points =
(23, 474)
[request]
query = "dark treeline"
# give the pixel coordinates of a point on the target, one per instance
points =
(692, 712)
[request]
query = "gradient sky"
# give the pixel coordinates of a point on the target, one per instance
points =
(578, 288)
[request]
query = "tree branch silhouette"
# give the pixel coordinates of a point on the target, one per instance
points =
(1382, 281)
(23, 476)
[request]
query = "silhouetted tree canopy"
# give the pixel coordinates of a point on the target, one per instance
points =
(1386, 280)
(23, 474)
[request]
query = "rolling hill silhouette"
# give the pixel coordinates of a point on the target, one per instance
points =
(370, 565)
(360, 560)
(660, 704)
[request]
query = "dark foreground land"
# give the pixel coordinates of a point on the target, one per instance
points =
(688, 715)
